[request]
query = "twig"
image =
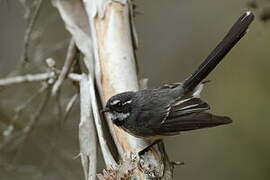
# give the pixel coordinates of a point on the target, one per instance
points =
(70, 106)
(26, 8)
(10, 139)
(26, 78)
(21, 107)
(87, 133)
(34, 78)
(36, 116)
(7, 132)
(74, 76)
(34, 120)
(28, 32)
(71, 56)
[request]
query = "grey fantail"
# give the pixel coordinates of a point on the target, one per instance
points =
(176, 107)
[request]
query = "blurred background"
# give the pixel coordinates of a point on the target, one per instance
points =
(174, 37)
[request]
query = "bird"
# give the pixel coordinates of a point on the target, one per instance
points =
(177, 107)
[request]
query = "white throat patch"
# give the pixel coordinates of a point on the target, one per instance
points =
(118, 116)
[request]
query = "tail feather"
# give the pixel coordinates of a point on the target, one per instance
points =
(237, 31)
(191, 122)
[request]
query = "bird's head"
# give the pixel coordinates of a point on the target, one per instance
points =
(119, 107)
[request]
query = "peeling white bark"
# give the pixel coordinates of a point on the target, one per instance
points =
(108, 158)
(76, 20)
(87, 133)
(112, 43)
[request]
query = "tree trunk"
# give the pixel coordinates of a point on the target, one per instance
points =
(104, 32)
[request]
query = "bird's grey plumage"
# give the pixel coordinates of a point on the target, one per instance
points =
(175, 107)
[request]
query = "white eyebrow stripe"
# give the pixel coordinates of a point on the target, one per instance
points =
(115, 102)
(127, 102)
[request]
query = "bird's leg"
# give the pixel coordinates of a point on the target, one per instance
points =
(142, 152)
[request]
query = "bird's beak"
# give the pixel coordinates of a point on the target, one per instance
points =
(106, 109)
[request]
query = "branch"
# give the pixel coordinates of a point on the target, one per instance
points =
(70, 106)
(71, 56)
(87, 133)
(27, 130)
(76, 19)
(26, 78)
(8, 133)
(29, 30)
(34, 78)
(19, 109)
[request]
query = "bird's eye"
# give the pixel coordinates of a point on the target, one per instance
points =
(118, 104)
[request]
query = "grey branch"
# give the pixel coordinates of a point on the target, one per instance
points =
(71, 56)
(19, 109)
(9, 134)
(29, 30)
(27, 130)
(26, 78)
(87, 133)
(34, 78)
(70, 106)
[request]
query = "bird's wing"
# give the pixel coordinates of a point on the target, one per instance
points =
(186, 114)
(184, 106)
